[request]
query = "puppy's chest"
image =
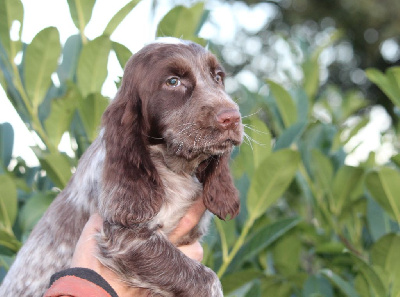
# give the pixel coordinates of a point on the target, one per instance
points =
(181, 191)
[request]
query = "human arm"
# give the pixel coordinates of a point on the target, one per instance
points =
(85, 263)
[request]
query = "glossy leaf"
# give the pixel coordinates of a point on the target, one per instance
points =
(311, 75)
(371, 275)
(238, 279)
(385, 253)
(90, 110)
(287, 107)
(6, 144)
(290, 135)
(8, 240)
(182, 22)
(271, 180)
(33, 210)
(261, 239)
(10, 11)
(316, 284)
(346, 183)
(255, 148)
(41, 60)
(119, 17)
(57, 168)
(322, 170)
(286, 254)
(62, 112)
(389, 82)
(384, 186)
(345, 287)
(81, 12)
(122, 52)
(67, 69)
(92, 65)
(8, 201)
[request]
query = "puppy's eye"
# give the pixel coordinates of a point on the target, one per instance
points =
(218, 78)
(173, 82)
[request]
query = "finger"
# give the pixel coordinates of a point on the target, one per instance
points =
(194, 251)
(86, 244)
(189, 221)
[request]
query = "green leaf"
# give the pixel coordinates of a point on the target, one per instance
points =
(271, 180)
(347, 181)
(90, 110)
(371, 275)
(256, 147)
(389, 82)
(8, 240)
(378, 220)
(122, 52)
(384, 186)
(41, 60)
(10, 11)
(234, 281)
(286, 105)
(33, 210)
(286, 254)
(322, 170)
(67, 69)
(345, 287)
(62, 112)
(385, 253)
(311, 76)
(396, 159)
(330, 248)
(316, 284)
(92, 65)
(276, 286)
(8, 201)
(81, 12)
(261, 239)
(290, 135)
(6, 144)
(182, 22)
(57, 168)
(119, 17)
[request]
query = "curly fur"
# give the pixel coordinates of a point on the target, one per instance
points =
(165, 142)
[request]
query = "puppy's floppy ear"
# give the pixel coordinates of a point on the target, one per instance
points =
(131, 187)
(219, 195)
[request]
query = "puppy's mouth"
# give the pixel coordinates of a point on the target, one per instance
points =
(211, 142)
(222, 147)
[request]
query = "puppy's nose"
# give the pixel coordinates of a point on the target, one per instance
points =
(228, 119)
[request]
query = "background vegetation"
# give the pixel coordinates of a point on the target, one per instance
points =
(310, 224)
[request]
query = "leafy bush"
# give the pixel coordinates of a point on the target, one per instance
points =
(310, 225)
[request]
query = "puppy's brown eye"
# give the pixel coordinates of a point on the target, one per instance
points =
(173, 82)
(218, 78)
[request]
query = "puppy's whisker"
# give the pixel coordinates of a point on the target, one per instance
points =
(249, 115)
(255, 130)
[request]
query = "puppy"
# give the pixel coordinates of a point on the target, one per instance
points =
(165, 142)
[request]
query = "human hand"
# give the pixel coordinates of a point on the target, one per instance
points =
(85, 250)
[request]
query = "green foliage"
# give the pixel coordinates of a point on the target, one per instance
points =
(310, 224)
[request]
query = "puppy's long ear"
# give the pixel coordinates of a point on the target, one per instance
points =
(131, 187)
(219, 195)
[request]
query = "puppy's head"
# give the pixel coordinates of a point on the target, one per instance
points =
(171, 93)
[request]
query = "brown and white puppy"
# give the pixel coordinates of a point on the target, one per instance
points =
(166, 140)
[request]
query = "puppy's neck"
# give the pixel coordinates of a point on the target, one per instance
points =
(177, 164)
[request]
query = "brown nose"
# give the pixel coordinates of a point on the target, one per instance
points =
(228, 119)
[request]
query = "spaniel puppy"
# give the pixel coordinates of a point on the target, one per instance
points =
(166, 141)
